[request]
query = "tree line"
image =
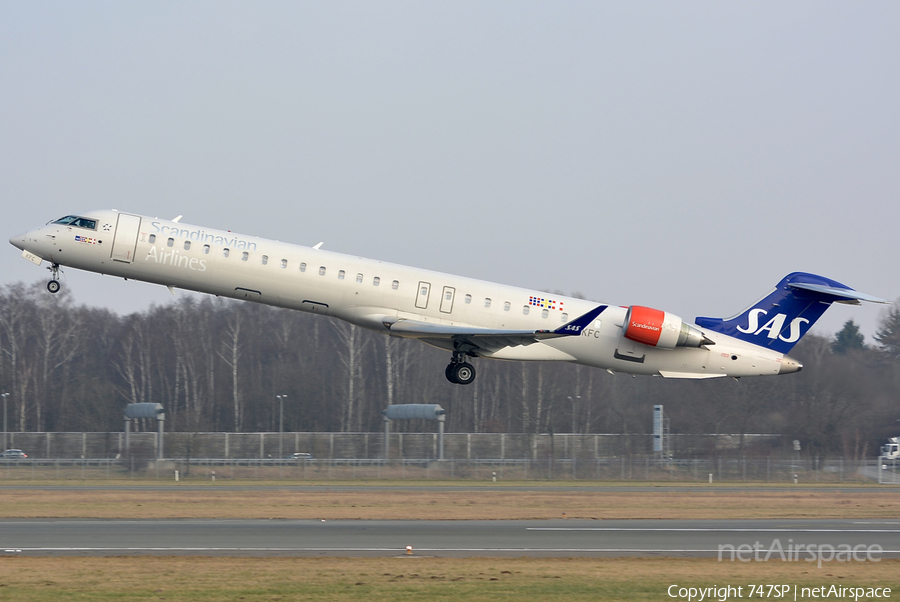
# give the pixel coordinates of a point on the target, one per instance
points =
(218, 364)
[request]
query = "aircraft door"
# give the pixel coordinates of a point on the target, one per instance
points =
(422, 294)
(125, 240)
(447, 299)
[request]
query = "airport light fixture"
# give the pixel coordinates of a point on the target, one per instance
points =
(4, 395)
(281, 427)
(574, 400)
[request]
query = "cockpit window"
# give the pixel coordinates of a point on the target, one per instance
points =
(83, 222)
(79, 222)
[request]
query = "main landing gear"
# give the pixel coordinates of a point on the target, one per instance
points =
(53, 286)
(460, 371)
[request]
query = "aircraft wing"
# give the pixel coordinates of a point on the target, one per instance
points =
(488, 339)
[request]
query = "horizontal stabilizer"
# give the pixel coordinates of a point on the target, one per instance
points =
(842, 295)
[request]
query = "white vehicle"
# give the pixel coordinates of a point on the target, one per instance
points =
(15, 454)
(301, 456)
(891, 450)
(469, 318)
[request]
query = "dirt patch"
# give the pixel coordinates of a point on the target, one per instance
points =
(481, 504)
(252, 579)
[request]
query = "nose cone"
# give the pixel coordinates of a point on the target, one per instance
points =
(789, 365)
(18, 241)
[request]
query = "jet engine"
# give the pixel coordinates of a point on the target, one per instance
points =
(658, 328)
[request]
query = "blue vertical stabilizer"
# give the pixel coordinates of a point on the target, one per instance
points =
(783, 316)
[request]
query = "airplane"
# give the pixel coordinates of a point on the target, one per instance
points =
(469, 318)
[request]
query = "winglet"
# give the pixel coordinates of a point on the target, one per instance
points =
(575, 327)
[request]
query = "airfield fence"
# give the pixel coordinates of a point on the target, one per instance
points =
(476, 456)
(370, 446)
(718, 470)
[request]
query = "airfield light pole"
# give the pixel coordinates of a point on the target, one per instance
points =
(4, 395)
(574, 401)
(281, 427)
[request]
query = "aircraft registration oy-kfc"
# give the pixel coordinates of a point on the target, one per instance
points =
(469, 318)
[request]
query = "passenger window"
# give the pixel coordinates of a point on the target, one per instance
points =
(395, 284)
(506, 306)
(487, 301)
(341, 275)
(525, 310)
(170, 242)
(565, 318)
(245, 256)
(303, 267)
(283, 264)
(321, 270)
(225, 252)
(187, 245)
(544, 313)
(448, 295)
(152, 238)
(265, 259)
(468, 298)
(359, 277)
(376, 281)
(206, 249)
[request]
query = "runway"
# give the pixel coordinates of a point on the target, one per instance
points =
(560, 538)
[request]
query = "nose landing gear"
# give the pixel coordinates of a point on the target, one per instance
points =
(53, 286)
(460, 371)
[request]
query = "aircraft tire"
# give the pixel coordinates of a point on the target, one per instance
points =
(463, 374)
(53, 286)
(448, 372)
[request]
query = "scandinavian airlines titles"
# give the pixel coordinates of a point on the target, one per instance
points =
(204, 236)
(774, 326)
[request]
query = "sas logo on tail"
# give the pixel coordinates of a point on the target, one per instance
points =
(774, 326)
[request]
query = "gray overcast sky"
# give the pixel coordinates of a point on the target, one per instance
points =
(680, 155)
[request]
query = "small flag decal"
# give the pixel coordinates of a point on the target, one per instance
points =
(545, 303)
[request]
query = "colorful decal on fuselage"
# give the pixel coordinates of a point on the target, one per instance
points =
(545, 303)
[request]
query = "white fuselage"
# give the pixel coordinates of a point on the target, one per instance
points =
(369, 293)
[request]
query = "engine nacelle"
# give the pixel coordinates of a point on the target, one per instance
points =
(658, 328)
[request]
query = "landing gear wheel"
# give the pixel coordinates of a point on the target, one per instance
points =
(53, 285)
(448, 372)
(462, 373)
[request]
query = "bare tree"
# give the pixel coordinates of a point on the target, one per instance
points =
(350, 348)
(58, 340)
(230, 354)
(15, 311)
